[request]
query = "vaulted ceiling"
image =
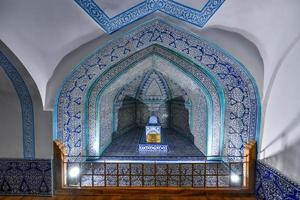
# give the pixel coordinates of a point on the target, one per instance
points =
(43, 33)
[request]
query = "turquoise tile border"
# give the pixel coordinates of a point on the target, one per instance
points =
(169, 7)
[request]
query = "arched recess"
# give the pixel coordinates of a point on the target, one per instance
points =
(152, 86)
(164, 61)
(136, 66)
(242, 103)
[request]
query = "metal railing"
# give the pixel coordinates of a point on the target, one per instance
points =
(201, 172)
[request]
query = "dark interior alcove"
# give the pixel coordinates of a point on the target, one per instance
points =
(132, 113)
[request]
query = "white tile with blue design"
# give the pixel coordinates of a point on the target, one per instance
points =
(272, 185)
(25, 177)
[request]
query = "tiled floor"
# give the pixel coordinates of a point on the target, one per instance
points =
(126, 146)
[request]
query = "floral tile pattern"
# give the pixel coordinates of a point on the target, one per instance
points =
(25, 177)
(271, 184)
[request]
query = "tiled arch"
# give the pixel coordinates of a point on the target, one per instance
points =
(242, 114)
(141, 93)
(208, 87)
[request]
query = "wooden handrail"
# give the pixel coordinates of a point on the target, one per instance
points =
(249, 166)
(248, 186)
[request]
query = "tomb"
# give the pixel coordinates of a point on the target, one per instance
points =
(153, 140)
(153, 130)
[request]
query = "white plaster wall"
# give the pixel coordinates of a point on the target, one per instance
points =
(30, 24)
(43, 129)
(11, 137)
(42, 119)
(272, 25)
(281, 135)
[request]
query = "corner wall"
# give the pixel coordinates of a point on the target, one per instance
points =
(21, 173)
(11, 143)
(280, 144)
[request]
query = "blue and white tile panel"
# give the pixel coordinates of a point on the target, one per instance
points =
(25, 177)
(169, 7)
(272, 185)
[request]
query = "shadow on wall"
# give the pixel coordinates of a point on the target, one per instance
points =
(179, 117)
(133, 113)
(283, 136)
(287, 160)
(126, 115)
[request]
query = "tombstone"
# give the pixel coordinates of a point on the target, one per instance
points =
(153, 141)
(153, 130)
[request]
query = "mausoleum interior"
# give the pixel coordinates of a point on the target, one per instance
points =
(149, 99)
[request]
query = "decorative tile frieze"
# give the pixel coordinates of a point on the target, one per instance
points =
(169, 7)
(25, 177)
(271, 184)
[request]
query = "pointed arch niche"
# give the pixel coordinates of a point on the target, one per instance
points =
(221, 96)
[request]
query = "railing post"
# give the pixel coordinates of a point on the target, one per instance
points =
(59, 167)
(249, 166)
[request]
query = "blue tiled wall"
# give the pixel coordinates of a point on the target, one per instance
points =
(272, 185)
(25, 177)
